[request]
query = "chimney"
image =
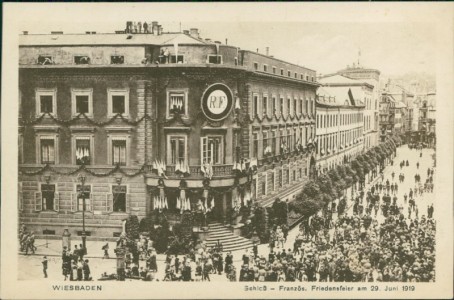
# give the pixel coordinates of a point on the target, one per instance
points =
(128, 27)
(154, 27)
(217, 42)
(194, 32)
(226, 40)
(87, 32)
(267, 51)
(159, 29)
(24, 32)
(208, 40)
(186, 32)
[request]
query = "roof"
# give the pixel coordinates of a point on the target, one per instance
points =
(336, 79)
(106, 39)
(339, 96)
(400, 104)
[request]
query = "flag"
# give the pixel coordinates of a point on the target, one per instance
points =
(175, 47)
(212, 203)
(166, 205)
(237, 103)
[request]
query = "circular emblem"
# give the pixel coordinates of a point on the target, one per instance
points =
(217, 101)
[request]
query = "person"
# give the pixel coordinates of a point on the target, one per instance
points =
(80, 267)
(417, 165)
(405, 198)
(246, 258)
(106, 250)
(44, 262)
(86, 271)
(30, 244)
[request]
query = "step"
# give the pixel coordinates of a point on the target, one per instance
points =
(219, 235)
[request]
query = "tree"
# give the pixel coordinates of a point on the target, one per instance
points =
(305, 206)
(132, 227)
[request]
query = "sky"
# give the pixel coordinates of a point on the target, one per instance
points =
(395, 46)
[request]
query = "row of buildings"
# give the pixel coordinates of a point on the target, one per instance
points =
(408, 114)
(144, 120)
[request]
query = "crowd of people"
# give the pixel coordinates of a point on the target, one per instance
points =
(74, 266)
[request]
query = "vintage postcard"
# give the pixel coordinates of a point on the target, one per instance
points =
(227, 150)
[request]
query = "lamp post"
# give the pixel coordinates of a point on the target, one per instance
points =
(82, 179)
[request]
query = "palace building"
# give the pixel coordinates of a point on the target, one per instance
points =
(142, 120)
(340, 130)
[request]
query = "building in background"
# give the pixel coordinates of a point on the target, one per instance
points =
(145, 120)
(371, 111)
(427, 120)
(340, 125)
(363, 92)
(392, 116)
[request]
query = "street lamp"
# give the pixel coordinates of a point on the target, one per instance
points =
(81, 191)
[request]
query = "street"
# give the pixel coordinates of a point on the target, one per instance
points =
(30, 267)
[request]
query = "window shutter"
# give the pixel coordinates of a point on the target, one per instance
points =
(74, 202)
(20, 197)
(109, 202)
(38, 201)
(56, 201)
(128, 203)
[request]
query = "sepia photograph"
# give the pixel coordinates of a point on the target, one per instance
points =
(234, 155)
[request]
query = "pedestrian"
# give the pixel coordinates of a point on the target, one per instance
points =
(106, 250)
(86, 271)
(44, 262)
(417, 165)
(80, 267)
(405, 198)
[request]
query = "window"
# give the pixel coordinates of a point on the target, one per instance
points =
(296, 76)
(117, 59)
(255, 144)
(281, 106)
(273, 142)
(48, 196)
(273, 105)
(307, 77)
(176, 59)
(307, 106)
(265, 68)
(282, 72)
(118, 102)
(301, 106)
(45, 60)
(81, 60)
(177, 102)
(302, 77)
(46, 101)
(215, 59)
(265, 104)
(256, 66)
(47, 146)
(300, 173)
(119, 152)
(212, 150)
(294, 175)
(266, 144)
(287, 175)
(274, 70)
(255, 105)
(289, 74)
(119, 198)
(289, 106)
(271, 181)
(176, 151)
(82, 102)
(295, 106)
(83, 154)
(83, 193)
(264, 186)
(279, 178)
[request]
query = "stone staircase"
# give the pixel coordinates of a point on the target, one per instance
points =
(230, 242)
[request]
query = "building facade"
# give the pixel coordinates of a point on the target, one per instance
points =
(392, 117)
(139, 121)
(340, 125)
(371, 110)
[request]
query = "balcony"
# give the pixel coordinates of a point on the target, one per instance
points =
(195, 172)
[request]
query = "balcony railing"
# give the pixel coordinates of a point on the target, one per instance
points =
(195, 172)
